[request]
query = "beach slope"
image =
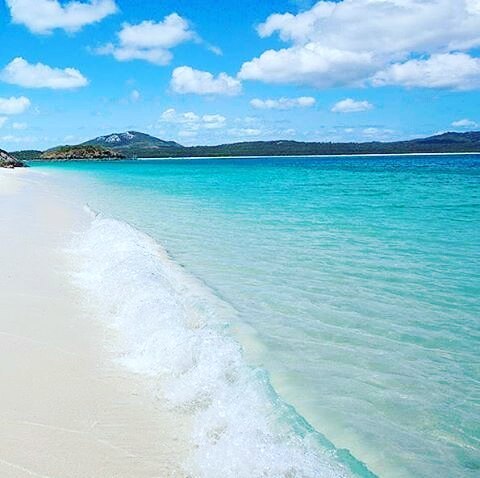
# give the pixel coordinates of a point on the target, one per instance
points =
(66, 409)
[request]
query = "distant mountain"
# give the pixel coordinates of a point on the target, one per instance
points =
(470, 137)
(132, 142)
(441, 143)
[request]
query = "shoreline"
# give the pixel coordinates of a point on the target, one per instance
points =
(477, 153)
(67, 408)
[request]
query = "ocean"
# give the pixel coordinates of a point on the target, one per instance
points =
(316, 317)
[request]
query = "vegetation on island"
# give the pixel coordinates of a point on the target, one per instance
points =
(446, 143)
(27, 154)
(80, 152)
(133, 144)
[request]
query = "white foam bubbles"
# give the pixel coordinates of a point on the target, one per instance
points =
(173, 329)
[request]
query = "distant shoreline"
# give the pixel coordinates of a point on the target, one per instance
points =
(477, 153)
(134, 145)
(179, 158)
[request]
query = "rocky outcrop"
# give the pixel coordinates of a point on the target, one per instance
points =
(67, 153)
(8, 161)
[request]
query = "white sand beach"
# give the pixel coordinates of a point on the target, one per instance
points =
(66, 409)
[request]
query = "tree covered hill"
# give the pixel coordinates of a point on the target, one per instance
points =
(139, 145)
(131, 143)
(85, 152)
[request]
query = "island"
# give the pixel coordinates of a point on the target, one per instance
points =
(80, 152)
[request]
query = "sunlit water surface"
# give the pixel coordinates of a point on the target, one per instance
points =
(355, 284)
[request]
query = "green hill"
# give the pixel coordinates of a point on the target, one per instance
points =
(27, 154)
(81, 152)
(133, 143)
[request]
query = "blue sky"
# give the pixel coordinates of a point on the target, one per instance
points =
(209, 72)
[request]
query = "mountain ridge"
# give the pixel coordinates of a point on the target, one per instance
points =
(129, 140)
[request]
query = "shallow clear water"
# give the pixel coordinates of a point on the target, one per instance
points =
(354, 283)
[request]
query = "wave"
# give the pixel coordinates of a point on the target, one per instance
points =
(174, 329)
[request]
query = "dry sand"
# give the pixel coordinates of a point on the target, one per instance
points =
(66, 409)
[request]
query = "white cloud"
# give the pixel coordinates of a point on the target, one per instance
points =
(373, 133)
(20, 72)
(242, 132)
(190, 126)
(187, 134)
(19, 126)
(171, 116)
(187, 80)
(135, 95)
(365, 25)
(9, 138)
(311, 64)
(213, 121)
(150, 41)
(216, 50)
(347, 42)
(3, 120)
(348, 105)
(283, 103)
(190, 121)
(450, 70)
(14, 105)
(473, 7)
(465, 123)
(43, 16)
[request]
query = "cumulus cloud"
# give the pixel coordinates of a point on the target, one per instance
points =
(349, 105)
(20, 72)
(190, 126)
(191, 121)
(14, 105)
(348, 42)
(283, 103)
(213, 121)
(457, 71)
(43, 16)
(310, 64)
(150, 41)
(465, 123)
(188, 80)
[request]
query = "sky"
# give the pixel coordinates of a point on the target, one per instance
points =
(212, 72)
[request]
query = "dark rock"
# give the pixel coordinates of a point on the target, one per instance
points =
(8, 161)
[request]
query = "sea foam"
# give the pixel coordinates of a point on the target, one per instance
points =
(174, 330)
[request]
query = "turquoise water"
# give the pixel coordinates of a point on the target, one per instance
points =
(354, 283)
